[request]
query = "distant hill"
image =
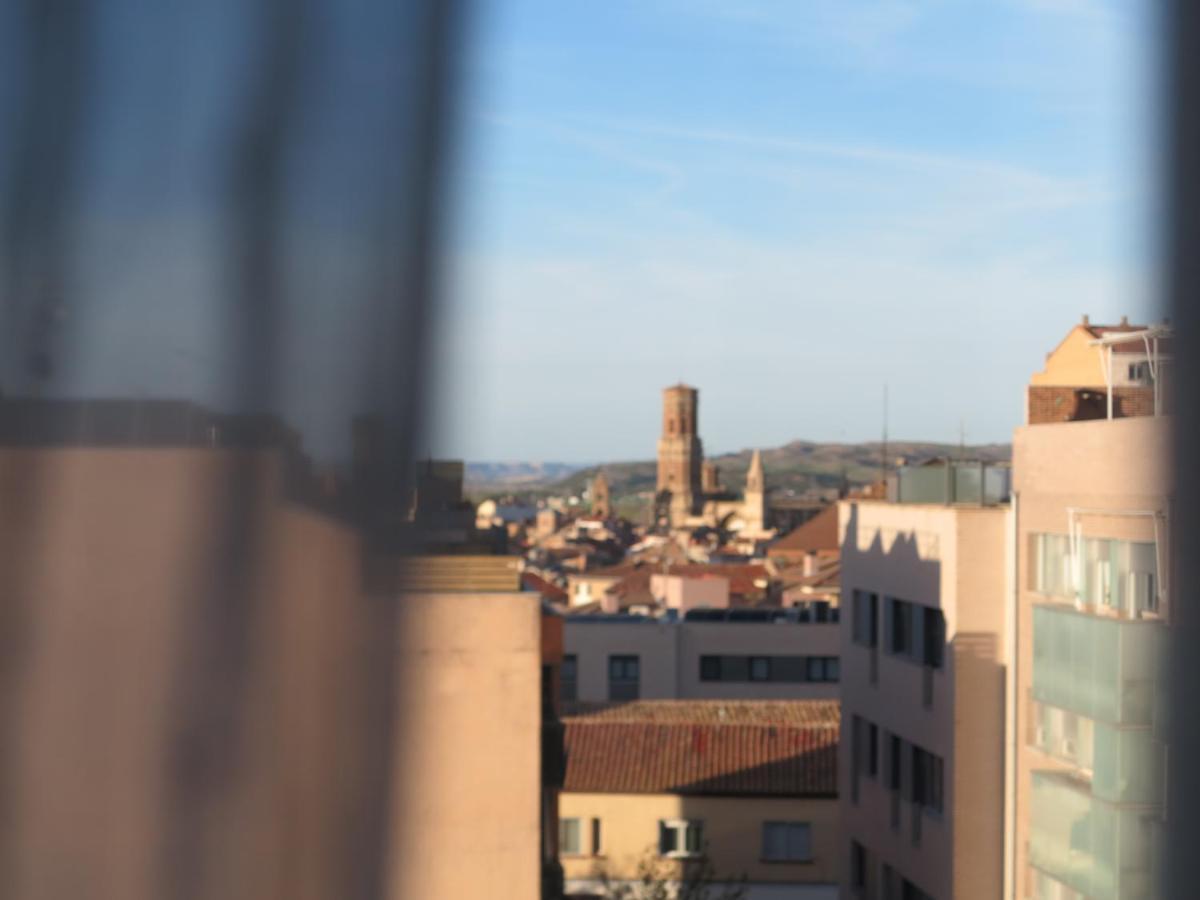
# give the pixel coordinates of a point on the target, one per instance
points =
(796, 467)
(502, 477)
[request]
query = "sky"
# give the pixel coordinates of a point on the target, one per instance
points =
(788, 204)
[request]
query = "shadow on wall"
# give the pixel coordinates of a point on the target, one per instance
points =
(899, 571)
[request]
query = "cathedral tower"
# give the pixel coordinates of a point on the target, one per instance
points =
(754, 509)
(601, 502)
(680, 455)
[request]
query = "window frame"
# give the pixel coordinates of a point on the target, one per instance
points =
(787, 858)
(620, 663)
(564, 824)
(572, 660)
(710, 664)
(685, 830)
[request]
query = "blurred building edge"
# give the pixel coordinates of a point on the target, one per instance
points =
(480, 760)
(194, 630)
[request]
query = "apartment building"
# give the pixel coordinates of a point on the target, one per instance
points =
(922, 689)
(115, 571)
(746, 788)
(1093, 512)
(477, 665)
(708, 653)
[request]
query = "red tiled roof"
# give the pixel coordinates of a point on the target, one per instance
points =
(818, 533)
(551, 592)
(765, 748)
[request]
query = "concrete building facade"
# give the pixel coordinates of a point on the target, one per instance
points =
(612, 658)
(922, 691)
(1088, 732)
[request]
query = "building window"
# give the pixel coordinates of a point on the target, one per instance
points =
(895, 747)
(788, 669)
(787, 842)
(934, 628)
(927, 779)
(568, 685)
(916, 632)
(569, 843)
(858, 866)
(866, 619)
(680, 837)
(624, 678)
(596, 845)
(821, 668)
(900, 628)
(872, 749)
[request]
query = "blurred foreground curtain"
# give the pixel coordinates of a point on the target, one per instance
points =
(218, 229)
(1181, 190)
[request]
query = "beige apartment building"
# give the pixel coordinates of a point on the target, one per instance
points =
(922, 645)
(747, 787)
(766, 654)
(111, 572)
(1093, 511)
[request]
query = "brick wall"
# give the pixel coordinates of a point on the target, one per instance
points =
(1069, 404)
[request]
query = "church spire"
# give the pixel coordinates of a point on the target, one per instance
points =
(754, 477)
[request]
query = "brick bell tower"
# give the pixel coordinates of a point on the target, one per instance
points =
(680, 456)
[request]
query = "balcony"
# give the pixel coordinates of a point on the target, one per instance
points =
(1105, 669)
(1125, 765)
(948, 481)
(1102, 850)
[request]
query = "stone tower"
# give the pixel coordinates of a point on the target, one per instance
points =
(680, 455)
(754, 508)
(601, 503)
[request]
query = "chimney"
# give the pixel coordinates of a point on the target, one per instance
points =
(1086, 321)
(1125, 320)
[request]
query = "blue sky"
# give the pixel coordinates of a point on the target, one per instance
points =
(788, 204)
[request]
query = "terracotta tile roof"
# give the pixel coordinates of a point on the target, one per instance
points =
(763, 748)
(549, 591)
(818, 533)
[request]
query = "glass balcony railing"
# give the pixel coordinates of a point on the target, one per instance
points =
(951, 482)
(1125, 765)
(1104, 669)
(1099, 849)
